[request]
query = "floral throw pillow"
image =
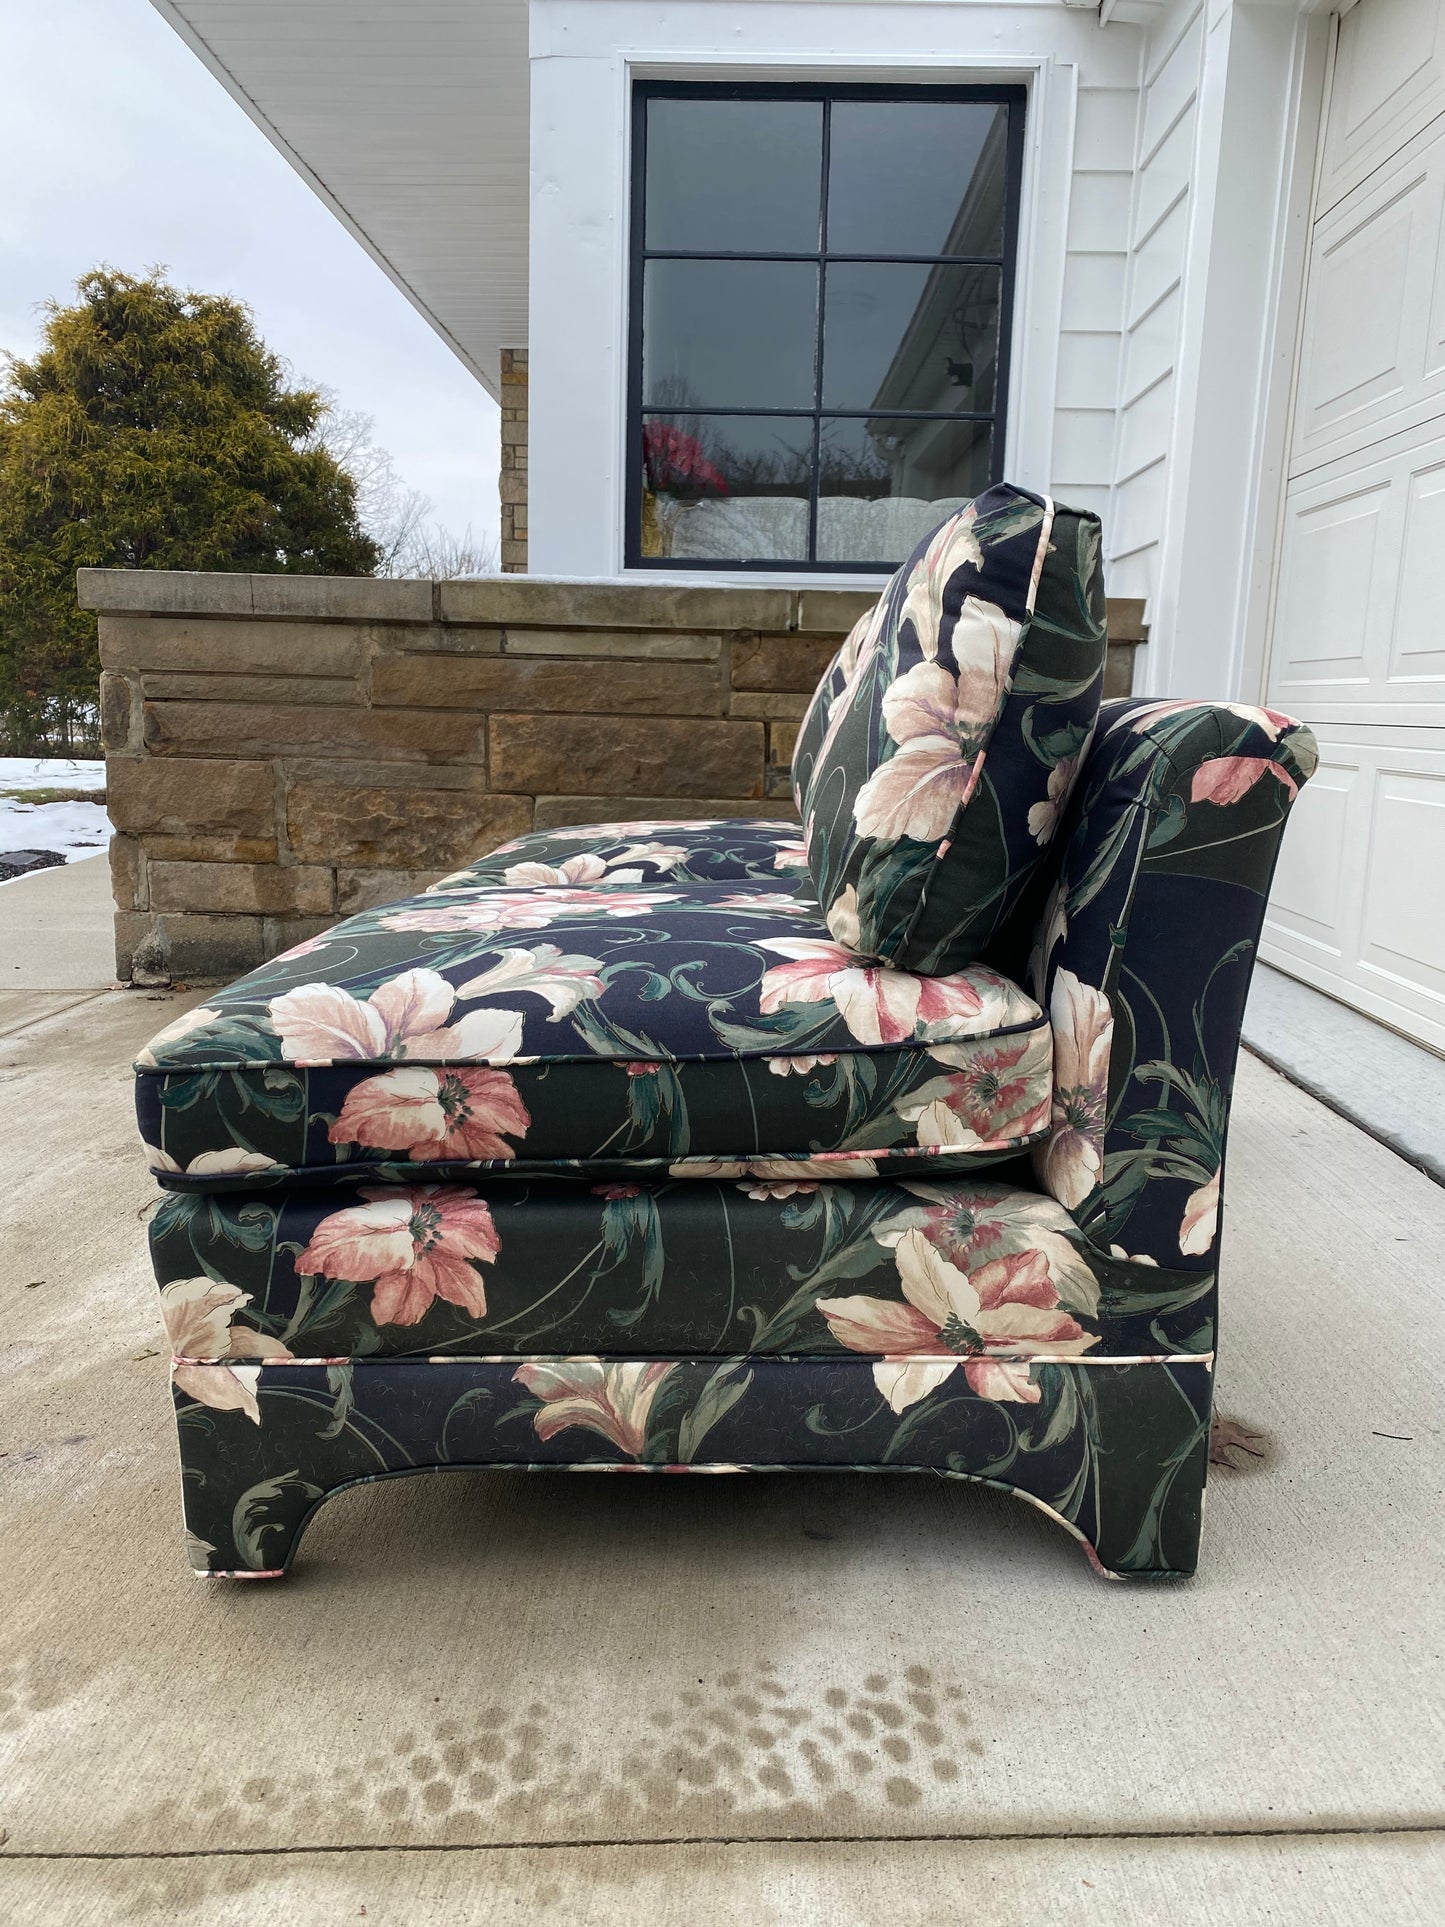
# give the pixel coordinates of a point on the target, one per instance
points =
(940, 749)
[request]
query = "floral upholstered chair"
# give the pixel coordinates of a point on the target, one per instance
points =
(894, 1145)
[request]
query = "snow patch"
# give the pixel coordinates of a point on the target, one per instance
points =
(73, 830)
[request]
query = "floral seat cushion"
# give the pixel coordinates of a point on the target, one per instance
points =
(965, 1276)
(734, 850)
(566, 1020)
(933, 766)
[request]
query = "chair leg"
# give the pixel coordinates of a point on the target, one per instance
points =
(258, 1461)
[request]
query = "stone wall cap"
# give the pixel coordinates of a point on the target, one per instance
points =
(196, 592)
(596, 602)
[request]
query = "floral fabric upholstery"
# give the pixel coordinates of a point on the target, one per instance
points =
(599, 1012)
(964, 1328)
(1143, 956)
(763, 850)
(934, 764)
(797, 1267)
(606, 1152)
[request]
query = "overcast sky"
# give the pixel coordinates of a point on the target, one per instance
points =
(117, 146)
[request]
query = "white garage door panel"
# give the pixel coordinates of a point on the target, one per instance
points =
(1418, 651)
(1389, 81)
(1358, 906)
(1327, 588)
(1404, 920)
(1358, 641)
(1372, 358)
(1309, 897)
(1358, 624)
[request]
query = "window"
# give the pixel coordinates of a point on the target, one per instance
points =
(822, 281)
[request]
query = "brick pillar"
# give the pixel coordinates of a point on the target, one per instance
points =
(513, 480)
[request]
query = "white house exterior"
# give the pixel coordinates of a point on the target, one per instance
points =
(1223, 327)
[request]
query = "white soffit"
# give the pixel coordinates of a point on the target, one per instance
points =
(410, 121)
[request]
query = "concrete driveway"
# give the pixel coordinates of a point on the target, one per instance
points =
(796, 1699)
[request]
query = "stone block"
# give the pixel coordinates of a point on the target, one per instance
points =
(438, 639)
(190, 796)
(361, 773)
(279, 934)
(195, 686)
(625, 756)
(779, 782)
(152, 949)
(211, 849)
(119, 712)
(147, 591)
(560, 812)
(275, 729)
(552, 602)
(522, 683)
(763, 704)
(793, 663)
(782, 741)
(833, 611)
(367, 598)
(242, 889)
(188, 592)
(128, 873)
(1119, 669)
(1125, 619)
(366, 889)
(398, 826)
(642, 644)
(216, 645)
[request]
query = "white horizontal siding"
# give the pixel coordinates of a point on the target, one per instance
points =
(1089, 369)
(1164, 166)
(1106, 129)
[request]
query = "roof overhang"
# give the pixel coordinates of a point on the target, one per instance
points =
(411, 123)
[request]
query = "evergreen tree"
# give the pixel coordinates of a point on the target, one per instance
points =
(153, 430)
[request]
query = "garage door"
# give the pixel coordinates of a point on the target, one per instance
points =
(1358, 645)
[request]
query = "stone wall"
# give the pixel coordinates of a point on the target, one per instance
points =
(284, 750)
(512, 481)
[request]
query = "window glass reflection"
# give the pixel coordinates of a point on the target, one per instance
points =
(910, 337)
(729, 334)
(734, 176)
(917, 177)
(883, 484)
(726, 487)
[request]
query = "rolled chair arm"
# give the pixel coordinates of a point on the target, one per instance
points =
(1143, 957)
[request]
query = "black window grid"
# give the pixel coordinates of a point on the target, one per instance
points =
(1014, 100)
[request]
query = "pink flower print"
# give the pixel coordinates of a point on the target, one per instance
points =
(878, 1005)
(1083, 1027)
(1201, 1219)
(998, 1095)
(611, 1399)
(1225, 779)
(431, 1113)
(405, 1017)
(791, 856)
(412, 1246)
(953, 546)
(564, 981)
(993, 1321)
(1044, 817)
(206, 1346)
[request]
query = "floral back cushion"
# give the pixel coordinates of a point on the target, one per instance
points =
(935, 762)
